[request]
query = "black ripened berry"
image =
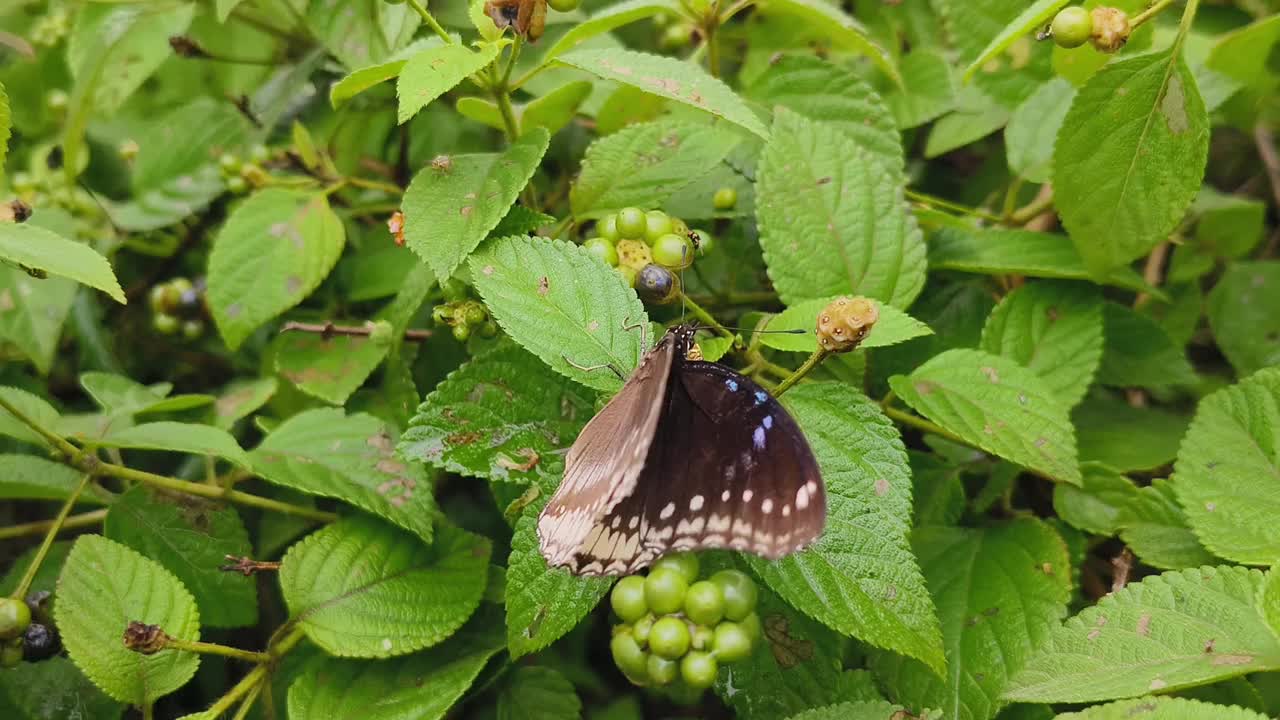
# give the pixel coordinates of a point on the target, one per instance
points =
(40, 642)
(657, 284)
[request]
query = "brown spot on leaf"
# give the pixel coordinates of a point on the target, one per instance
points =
(991, 374)
(530, 456)
(487, 270)
(1232, 659)
(544, 286)
(292, 284)
(925, 387)
(234, 310)
(787, 650)
(6, 301)
(462, 438)
(882, 487)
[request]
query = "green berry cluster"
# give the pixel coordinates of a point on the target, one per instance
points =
(240, 174)
(645, 247)
(178, 305)
(463, 314)
(49, 29)
(677, 628)
(26, 630)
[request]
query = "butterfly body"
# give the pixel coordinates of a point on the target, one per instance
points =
(689, 455)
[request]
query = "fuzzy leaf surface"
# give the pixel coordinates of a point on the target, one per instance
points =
(179, 437)
(35, 247)
(1021, 252)
(436, 70)
(1163, 708)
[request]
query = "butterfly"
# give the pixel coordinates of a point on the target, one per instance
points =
(526, 17)
(689, 455)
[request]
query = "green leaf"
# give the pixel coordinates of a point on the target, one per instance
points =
(538, 693)
(119, 46)
(5, 128)
(564, 305)
(606, 19)
(893, 327)
(1017, 252)
(1228, 472)
(1129, 158)
(449, 212)
(845, 32)
(1170, 631)
(997, 405)
(53, 690)
(643, 165)
(119, 395)
(928, 89)
(1125, 437)
(1269, 598)
(971, 121)
(999, 591)
(32, 312)
(192, 538)
(823, 91)
(1033, 127)
(832, 220)
(179, 437)
(361, 588)
(272, 252)
(520, 220)
(1241, 313)
(370, 75)
(1101, 501)
(103, 587)
(357, 35)
(240, 399)
(1054, 329)
(39, 249)
(223, 8)
(29, 477)
(1139, 353)
(666, 77)
(859, 710)
(436, 70)
(1155, 527)
(860, 578)
(1163, 708)
(556, 109)
(421, 686)
(1242, 54)
(504, 416)
(1033, 17)
(34, 407)
(543, 603)
(350, 457)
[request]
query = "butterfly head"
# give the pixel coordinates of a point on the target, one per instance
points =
(683, 337)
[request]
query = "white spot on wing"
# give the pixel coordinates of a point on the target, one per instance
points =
(667, 511)
(766, 507)
(695, 503)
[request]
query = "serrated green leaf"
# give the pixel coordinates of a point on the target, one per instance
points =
(34, 247)
(352, 458)
(846, 33)
(1055, 330)
(447, 213)
(240, 399)
(503, 416)
(1097, 506)
(120, 46)
(606, 19)
(436, 70)
(1129, 158)
(1269, 599)
(32, 313)
(928, 88)
(5, 130)
(643, 165)
(520, 220)
(30, 477)
(1169, 631)
(832, 220)
(1033, 127)
(362, 588)
(53, 690)
(273, 251)
(1163, 708)
(860, 578)
(192, 538)
(999, 591)
(859, 710)
(543, 603)
(178, 437)
(535, 692)
(1240, 311)
(893, 326)
(421, 686)
(103, 587)
(564, 305)
(997, 405)
(1155, 527)
(363, 33)
(1228, 476)
(824, 91)
(34, 407)
(555, 109)
(1125, 437)
(666, 77)
(1033, 17)
(119, 395)
(1020, 252)
(1139, 353)
(370, 75)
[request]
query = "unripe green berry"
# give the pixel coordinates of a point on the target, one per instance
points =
(664, 590)
(699, 669)
(393, 2)
(704, 603)
(440, 314)
(1072, 27)
(454, 290)
(473, 313)
(382, 333)
(156, 298)
(564, 5)
(461, 332)
(643, 627)
(662, 671)
(192, 329)
(607, 227)
(15, 616)
(669, 638)
(237, 185)
(685, 563)
(656, 224)
(489, 329)
(658, 285)
(703, 636)
(259, 154)
(229, 164)
(726, 198)
(731, 643)
(628, 656)
(602, 248)
(627, 599)
(631, 223)
(740, 593)
(56, 100)
(674, 252)
(164, 323)
(751, 624)
(677, 36)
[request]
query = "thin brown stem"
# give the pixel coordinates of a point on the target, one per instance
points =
(1266, 142)
(327, 330)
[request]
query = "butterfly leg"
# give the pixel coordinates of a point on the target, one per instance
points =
(593, 368)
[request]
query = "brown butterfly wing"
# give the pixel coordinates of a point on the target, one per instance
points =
(729, 468)
(602, 466)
